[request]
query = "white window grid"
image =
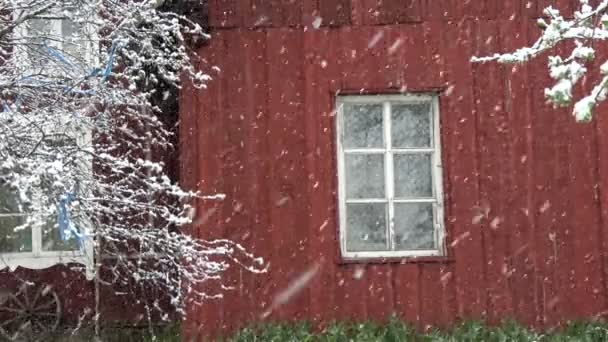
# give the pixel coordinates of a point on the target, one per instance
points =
(389, 151)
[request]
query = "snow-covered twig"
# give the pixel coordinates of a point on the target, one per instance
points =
(588, 25)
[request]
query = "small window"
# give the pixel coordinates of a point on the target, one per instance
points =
(389, 175)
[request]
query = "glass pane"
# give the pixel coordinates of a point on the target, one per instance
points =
(74, 46)
(51, 240)
(364, 175)
(40, 32)
(8, 203)
(414, 226)
(411, 125)
(366, 227)
(413, 177)
(11, 240)
(363, 125)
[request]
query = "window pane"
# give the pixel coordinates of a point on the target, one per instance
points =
(364, 175)
(411, 125)
(73, 40)
(51, 241)
(414, 226)
(366, 227)
(40, 32)
(413, 175)
(363, 126)
(8, 203)
(12, 241)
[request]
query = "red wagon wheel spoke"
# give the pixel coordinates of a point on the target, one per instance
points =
(35, 300)
(46, 314)
(24, 325)
(47, 305)
(23, 292)
(42, 326)
(5, 309)
(7, 322)
(16, 300)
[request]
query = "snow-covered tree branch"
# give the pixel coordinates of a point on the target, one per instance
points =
(589, 24)
(82, 83)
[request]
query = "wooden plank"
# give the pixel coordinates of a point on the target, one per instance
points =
(442, 10)
(543, 157)
(318, 47)
(234, 162)
(188, 131)
(461, 163)
(225, 13)
(274, 13)
(518, 106)
(431, 296)
(207, 221)
(380, 300)
(358, 14)
(255, 77)
(560, 306)
(263, 14)
(493, 146)
(352, 292)
(288, 193)
(396, 12)
(512, 10)
(243, 170)
(359, 51)
(407, 293)
(586, 238)
(601, 139)
(432, 59)
(449, 303)
(565, 7)
(335, 13)
(291, 13)
(587, 248)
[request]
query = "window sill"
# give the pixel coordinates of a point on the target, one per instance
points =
(397, 260)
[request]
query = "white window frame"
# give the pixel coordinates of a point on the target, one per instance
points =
(387, 150)
(38, 258)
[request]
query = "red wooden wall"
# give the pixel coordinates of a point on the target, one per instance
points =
(263, 134)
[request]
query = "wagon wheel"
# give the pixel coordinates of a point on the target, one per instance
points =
(30, 313)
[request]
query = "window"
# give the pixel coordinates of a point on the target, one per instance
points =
(389, 175)
(55, 48)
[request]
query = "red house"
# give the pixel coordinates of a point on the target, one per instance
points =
(379, 172)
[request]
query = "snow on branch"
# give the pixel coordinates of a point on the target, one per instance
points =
(82, 84)
(590, 23)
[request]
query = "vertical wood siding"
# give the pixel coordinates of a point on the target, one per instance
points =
(263, 133)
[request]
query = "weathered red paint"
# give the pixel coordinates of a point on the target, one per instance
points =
(263, 133)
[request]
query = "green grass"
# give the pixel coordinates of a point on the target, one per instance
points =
(170, 333)
(395, 331)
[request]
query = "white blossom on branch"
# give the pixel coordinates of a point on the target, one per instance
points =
(589, 24)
